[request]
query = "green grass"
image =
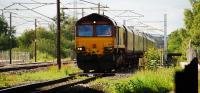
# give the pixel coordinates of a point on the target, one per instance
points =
(147, 81)
(43, 57)
(7, 80)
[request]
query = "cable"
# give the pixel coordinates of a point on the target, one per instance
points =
(36, 12)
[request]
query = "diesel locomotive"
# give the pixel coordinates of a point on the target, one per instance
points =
(103, 45)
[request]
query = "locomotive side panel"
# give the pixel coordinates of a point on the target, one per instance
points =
(136, 44)
(140, 43)
(145, 45)
(130, 42)
(121, 38)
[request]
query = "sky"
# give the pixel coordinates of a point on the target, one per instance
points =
(153, 11)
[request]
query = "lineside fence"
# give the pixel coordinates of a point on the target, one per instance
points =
(17, 57)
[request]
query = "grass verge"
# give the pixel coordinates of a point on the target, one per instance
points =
(147, 81)
(8, 80)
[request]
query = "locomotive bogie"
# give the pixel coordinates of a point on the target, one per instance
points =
(95, 62)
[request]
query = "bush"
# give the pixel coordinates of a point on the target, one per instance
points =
(153, 57)
(43, 57)
(147, 81)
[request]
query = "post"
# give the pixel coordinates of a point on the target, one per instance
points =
(124, 22)
(190, 56)
(161, 57)
(82, 12)
(75, 11)
(10, 38)
(35, 40)
(2, 13)
(98, 8)
(165, 37)
(58, 35)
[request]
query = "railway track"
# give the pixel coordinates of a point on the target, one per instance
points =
(28, 66)
(56, 86)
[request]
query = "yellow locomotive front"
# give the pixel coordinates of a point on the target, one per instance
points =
(94, 43)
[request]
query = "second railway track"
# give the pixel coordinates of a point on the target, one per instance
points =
(56, 86)
(28, 66)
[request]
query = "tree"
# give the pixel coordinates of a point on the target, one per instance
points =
(195, 30)
(67, 33)
(174, 41)
(46, 39)
(3, 26)
(193, 1)
(188, 18)
(179, 40)
(5, 35)
(26, 39)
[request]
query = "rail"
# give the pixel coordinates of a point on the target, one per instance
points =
(28, 66)
(33, 88)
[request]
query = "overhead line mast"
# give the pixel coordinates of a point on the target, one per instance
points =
(10, 38)
(165, 37)
(58, 35)
(35, 40)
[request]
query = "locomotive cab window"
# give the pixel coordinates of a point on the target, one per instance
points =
(85, 30)
(103, 30)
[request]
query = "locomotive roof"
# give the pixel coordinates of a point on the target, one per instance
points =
(96, 17)
(145, 35)
(131, 28)
(151, 37)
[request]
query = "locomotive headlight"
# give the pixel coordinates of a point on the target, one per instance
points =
(108, 48)
(80, 48)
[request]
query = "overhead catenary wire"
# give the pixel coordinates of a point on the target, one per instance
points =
(27, 19)
(46, 18)
(37, 12)
(26, 8)
(94, 3)
(35, 1)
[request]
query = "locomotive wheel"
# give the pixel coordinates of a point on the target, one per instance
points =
(85, 71)
(109, 70)
(120, 59)
(99, 71)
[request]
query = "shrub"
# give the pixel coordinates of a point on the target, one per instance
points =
(153, 57)
(146, 81)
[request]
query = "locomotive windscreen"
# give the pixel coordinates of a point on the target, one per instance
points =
(85, 30)
(99, 30)
(103, 30)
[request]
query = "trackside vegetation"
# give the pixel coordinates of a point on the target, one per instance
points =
(145, 81)
(8, 80)
(45, 39)
(153, 58)
(152, 79)
(179, 40)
